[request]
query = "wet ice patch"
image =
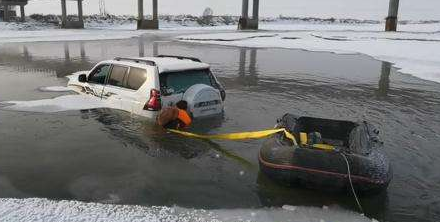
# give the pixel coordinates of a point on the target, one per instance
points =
(47, 210)
(58, 104)
(55, 89)
(417, 54)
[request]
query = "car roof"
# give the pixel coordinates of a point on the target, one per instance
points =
(165, 64)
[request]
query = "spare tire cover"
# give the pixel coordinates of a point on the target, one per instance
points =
(203, 100)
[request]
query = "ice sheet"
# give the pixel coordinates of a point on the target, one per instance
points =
(414, 53)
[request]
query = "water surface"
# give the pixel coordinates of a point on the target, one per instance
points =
(111, 156)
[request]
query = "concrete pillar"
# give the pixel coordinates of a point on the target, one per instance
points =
(80, 13)
(249, 23)
(140, 10)
(155, 14)
(63, 14)
(391, 20)
(6, 12)
(22, 15)
(255, 9)
(245, 9)
(147, 24)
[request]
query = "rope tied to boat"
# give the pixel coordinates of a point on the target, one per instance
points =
(351, 183)
(240, 136)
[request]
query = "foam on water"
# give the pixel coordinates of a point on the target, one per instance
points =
(36, 209)
(55, 89)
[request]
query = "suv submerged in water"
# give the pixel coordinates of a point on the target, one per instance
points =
(145, 85)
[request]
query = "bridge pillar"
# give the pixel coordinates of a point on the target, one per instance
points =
(143, 23)
(245, 9)
(80, 13)
(5, 12)
(249, 23)
(391, 20)
(65, 24)
(63, 13)
(22, 15)
(256, 9)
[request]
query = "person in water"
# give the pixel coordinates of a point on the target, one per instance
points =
(175, 117)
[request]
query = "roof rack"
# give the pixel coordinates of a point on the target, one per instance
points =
(180, 57)
(136, 60)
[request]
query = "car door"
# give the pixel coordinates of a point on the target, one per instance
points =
(122, 86)
(97, 79)
(114, 91)
(133, 99)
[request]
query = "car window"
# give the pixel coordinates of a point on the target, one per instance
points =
(136, 78)
(179, 82)
(117, 76)
(99, 74)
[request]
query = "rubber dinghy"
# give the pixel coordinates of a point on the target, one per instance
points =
(325, 148)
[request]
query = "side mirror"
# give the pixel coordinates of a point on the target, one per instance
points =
(82, 78)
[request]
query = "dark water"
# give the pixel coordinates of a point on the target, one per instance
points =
(112, 157)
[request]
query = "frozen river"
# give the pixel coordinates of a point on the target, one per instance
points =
(109, 156)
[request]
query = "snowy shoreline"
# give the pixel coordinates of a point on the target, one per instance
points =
(36, 209)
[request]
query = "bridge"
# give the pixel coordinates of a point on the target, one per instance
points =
(245, 22)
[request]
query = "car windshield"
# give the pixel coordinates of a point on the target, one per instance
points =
(179, 82)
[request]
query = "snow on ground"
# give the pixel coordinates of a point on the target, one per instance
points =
(7, 36)
(415, 53)
(45, 28)
(35, 209)
(376, 27)
(126, 31)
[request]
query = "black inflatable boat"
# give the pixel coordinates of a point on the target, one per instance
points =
(355, 144)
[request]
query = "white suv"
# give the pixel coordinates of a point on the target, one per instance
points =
(144, 85)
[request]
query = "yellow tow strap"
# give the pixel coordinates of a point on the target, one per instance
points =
(240, 136)
(323, 147)
(251, 135)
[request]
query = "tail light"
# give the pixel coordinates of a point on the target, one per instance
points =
(154, 103)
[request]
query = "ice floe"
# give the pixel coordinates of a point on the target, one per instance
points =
(58, 104)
